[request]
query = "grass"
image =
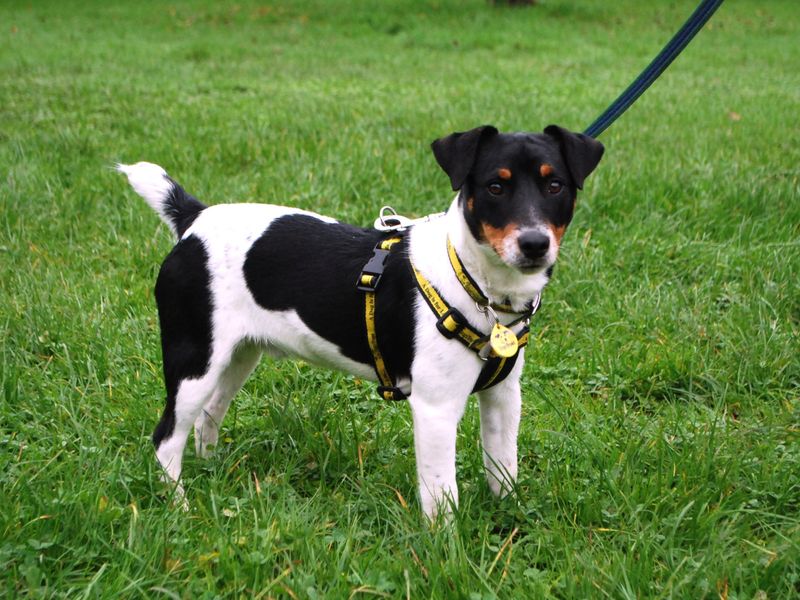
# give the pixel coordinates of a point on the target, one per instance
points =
(659, 448)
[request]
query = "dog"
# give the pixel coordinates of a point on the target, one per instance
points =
(250, 279)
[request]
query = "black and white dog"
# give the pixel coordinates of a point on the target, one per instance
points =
(248, 279)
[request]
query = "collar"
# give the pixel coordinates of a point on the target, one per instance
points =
(474, 290)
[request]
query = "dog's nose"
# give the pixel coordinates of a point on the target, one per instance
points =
(534, 244)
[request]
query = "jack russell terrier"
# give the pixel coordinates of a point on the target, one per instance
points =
(434, 311)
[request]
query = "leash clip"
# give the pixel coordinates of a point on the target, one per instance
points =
(492, 320)
(488, 312)
(389, 220)
(535, 304)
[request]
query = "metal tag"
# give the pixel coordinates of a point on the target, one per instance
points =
(503, 341)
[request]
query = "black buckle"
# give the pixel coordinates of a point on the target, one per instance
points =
(457, 317)
(391, 393)
(371, 274)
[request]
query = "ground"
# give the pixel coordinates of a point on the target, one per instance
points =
(659, 448)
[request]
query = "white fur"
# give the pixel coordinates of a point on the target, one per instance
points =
(443, 371)
(501, 408)
(151, 183)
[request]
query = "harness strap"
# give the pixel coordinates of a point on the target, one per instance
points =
(367, 282)
(451, 323)
(498, 368)
(468, 283)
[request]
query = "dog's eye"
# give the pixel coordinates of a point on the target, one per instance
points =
(555, 187)
(495, 189)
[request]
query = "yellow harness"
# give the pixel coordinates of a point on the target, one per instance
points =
(368, 283)
(450, 322)
(468, 283)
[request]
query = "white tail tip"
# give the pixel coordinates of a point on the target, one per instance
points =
(151, 183)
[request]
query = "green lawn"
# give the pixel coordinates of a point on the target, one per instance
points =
(659, 450)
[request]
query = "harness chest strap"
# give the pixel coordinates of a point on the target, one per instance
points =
(450, 323)
(497, 368)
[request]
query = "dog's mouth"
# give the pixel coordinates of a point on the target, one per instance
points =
(531, 267)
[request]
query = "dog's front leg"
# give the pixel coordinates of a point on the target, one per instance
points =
(436, 420)
(501, 407)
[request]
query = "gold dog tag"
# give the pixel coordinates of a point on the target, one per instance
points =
(503, 341)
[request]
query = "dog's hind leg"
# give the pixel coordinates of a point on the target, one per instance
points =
(212, 391)
(193, 360)
(206, 426)
(180, 413)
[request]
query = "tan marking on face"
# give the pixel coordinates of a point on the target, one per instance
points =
(470, 203)
(504, 174)
(558, 232)
(496, 237)
(545, 170)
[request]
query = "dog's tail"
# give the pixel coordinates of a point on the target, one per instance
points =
(176, 208)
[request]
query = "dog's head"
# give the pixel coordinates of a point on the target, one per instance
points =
(518, 190)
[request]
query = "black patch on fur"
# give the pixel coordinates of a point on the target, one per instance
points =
(581, 152)
(181, 208)
(456, 153)
(184, 302)
(311, 266)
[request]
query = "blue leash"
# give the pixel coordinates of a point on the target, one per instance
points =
(675, 46)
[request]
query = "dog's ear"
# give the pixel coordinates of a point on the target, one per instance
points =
(457, 152)
(581, 152)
